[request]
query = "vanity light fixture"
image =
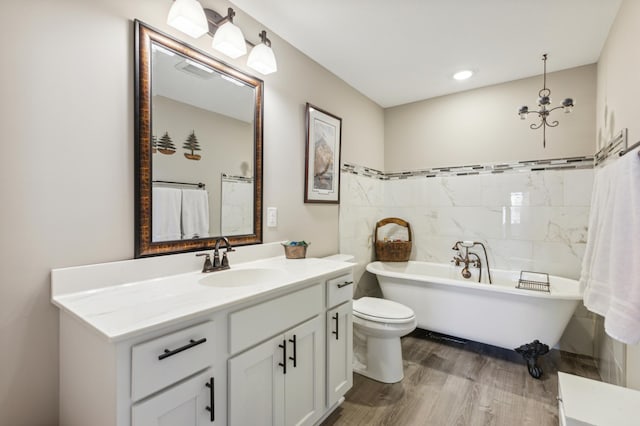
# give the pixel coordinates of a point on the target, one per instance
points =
(463, 75)
(261, 57)
(188, 16)
(544, 101)
(228, 38)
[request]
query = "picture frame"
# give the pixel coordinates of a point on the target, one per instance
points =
(322, 156)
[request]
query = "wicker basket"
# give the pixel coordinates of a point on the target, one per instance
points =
(295, 252)
(393, 251)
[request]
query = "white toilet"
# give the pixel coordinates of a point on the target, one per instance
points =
(378, 325)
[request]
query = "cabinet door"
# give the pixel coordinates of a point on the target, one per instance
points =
(256, 385)
(339, 352)
(186, 404)
(304, 381)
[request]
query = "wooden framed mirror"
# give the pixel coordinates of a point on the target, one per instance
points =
(198, 148)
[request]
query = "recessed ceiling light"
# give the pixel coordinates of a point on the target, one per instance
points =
(463, 75)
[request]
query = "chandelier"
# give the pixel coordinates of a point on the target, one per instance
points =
(544, 102)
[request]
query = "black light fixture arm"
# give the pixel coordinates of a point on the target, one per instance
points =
(264, 39)
(215, 21)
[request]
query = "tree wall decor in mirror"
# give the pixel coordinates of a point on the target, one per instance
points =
(198, 136)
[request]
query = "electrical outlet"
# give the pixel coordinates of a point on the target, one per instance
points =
(272, 217)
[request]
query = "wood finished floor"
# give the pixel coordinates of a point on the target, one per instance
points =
(447, 383)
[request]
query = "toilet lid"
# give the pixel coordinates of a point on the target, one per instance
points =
(381, 309)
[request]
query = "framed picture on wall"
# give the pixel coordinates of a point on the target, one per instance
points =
(322, 157)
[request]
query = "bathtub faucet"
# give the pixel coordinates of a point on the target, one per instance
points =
(467, 261)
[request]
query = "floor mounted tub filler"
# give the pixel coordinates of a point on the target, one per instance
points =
(498, 314)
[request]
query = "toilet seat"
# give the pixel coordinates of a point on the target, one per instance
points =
(382, 311)
(378, 325)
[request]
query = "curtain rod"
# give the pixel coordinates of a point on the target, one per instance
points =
(631, 148)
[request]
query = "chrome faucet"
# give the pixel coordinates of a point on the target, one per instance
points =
(458, 259)
(217, 265)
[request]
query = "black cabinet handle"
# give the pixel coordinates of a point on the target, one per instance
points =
(212, 401)
(344, 284)
(335, 317)
(294, 358)
(167, 353)
(283, 364)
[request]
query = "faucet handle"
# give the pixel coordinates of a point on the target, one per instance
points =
(207, 267)
(225, 261)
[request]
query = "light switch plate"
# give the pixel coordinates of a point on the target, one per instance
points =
(272, 217)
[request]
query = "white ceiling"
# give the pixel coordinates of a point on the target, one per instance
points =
(396, 52)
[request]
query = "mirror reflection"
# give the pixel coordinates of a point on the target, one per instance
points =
(199, 152)
(202, 145)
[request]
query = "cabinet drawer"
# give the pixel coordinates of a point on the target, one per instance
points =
(256, 323)
(339, 290)
(188, 403)
(165, 360)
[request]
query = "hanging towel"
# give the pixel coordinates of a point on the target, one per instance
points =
(611, 266)
(165, 214)
(195, 213)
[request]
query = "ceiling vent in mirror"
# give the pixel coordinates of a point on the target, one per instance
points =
(194, 68)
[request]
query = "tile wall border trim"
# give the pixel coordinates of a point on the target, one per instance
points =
(569, 163)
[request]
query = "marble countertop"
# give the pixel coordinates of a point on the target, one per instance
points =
(125, 310)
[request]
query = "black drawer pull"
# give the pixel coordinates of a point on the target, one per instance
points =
(294, 358)
(344, 284)
(212, 401)
(335, 317)
(283, 364)
(167, 353)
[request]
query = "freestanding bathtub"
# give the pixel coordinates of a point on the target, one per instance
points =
(497, 314)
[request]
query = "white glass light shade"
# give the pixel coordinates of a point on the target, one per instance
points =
(229, 40)
(188, 16)
(262, 59)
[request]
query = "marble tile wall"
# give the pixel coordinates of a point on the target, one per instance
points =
(361, 206)
(529, 219)
(535, 220)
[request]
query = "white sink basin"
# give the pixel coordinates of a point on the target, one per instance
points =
(243, 277)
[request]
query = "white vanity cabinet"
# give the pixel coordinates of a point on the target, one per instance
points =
(171, 352)
(279, 382)
(339, 352)
(280, 379)
(297, 376)
(339, 337)
(172, 376)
